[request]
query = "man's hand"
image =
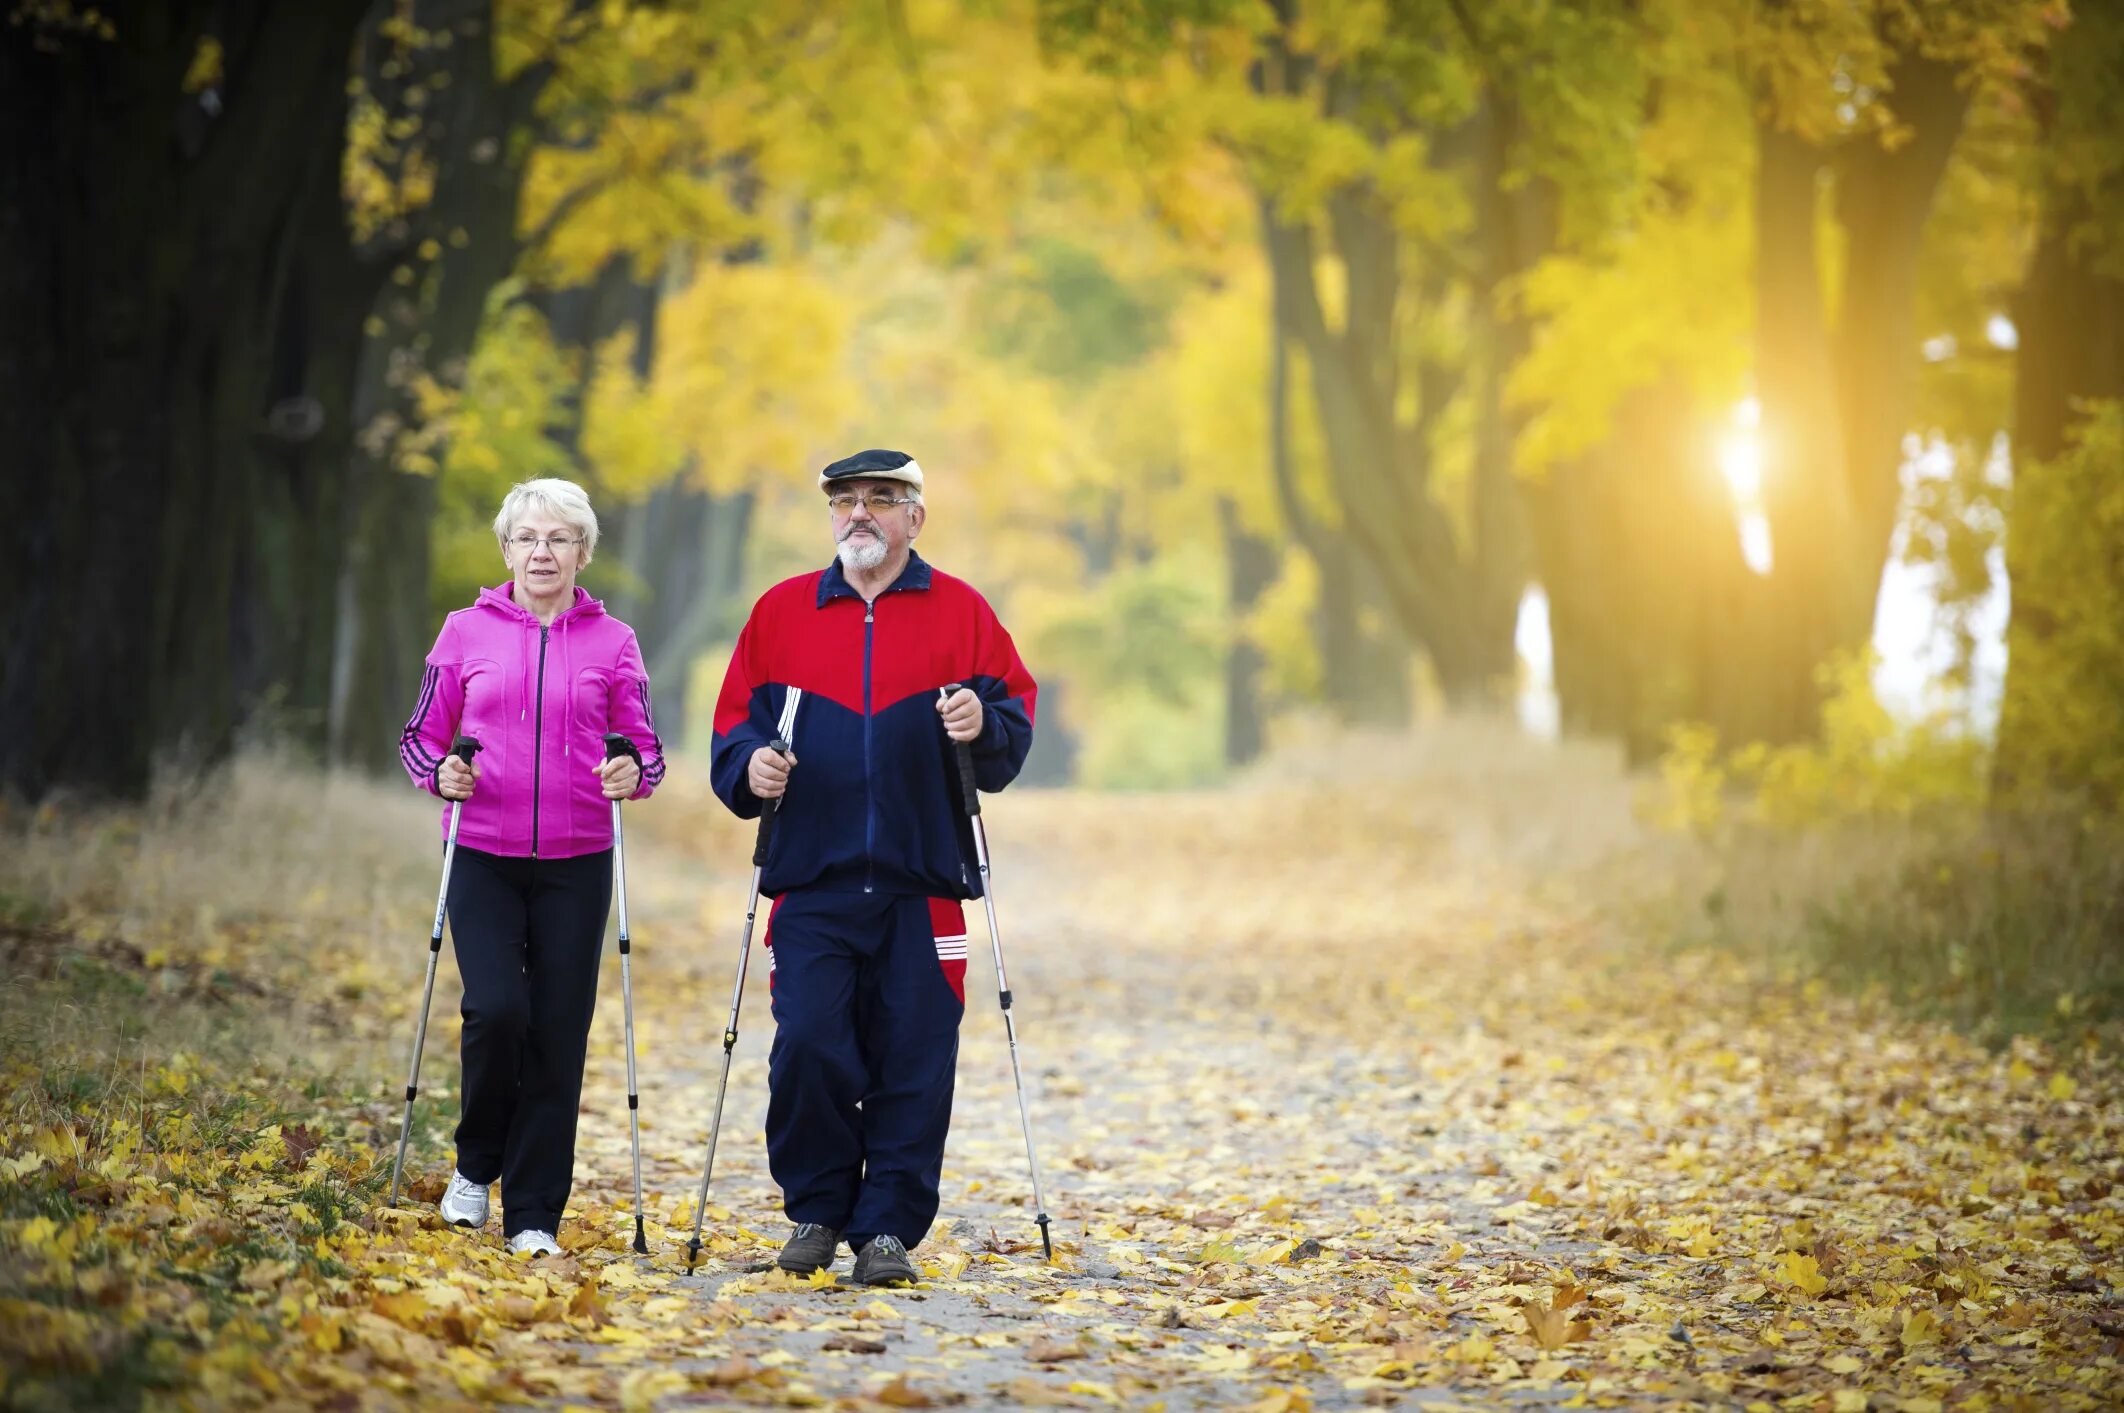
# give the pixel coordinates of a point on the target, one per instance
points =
(621, 775)
(962, 714)
(768, 774)
(455, 780)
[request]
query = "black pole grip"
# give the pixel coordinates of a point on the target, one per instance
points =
(464, 748)
(617, 744)
(963, 752)
(769, 809)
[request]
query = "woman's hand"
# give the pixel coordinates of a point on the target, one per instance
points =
(454, 780)
(621, 775)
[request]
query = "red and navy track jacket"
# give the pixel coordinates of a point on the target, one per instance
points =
(873, 804)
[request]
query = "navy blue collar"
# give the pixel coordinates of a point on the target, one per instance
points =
(833, 584)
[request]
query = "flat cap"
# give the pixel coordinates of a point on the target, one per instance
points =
(874, 466)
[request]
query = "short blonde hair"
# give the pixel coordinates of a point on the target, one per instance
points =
(563, 500)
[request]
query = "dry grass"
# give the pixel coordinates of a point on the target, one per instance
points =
(1460, 930)
(2003, 925)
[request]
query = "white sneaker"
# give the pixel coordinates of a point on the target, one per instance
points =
(534, 1243)
(464, 1202)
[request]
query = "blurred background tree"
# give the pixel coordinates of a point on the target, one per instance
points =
(1273, 361)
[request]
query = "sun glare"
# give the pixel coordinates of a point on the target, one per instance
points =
(1740, 461)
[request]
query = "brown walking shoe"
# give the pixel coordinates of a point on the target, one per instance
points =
(811, 1248)
(885, 1262)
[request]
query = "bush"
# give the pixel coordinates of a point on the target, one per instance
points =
(1874, 859)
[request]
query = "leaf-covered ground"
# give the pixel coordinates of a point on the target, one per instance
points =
(1347, 1094)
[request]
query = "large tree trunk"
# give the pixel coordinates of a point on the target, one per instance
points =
(1250, 562)
(682, 547)
(685, 550)
(2065, 678)
(1379, 463)
(151, 249)
(1380, 473)
(458, 247)
(1364, 663)
(1884, 199)
(1517, 227)
(1642, 563)
(1836, 404)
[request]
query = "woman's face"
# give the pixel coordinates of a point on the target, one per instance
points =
(544, 555)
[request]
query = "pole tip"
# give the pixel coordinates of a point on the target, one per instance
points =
(693, 1252)
(641, 1242)
(1047, 1242)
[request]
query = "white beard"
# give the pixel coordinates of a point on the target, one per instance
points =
(864, 554)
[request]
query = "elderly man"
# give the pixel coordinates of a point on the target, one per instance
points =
(871, 859)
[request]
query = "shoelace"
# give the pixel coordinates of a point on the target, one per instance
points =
(807, 1229)
(888, 1246)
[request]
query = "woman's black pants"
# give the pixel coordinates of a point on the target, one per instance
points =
(528, 934)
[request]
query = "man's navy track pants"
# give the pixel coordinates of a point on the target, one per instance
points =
(868, 990)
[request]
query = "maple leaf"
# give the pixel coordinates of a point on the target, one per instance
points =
(587, 1305)
(300, 1141)
(1802, 1272)
(1553, 1328)
(901, 1394)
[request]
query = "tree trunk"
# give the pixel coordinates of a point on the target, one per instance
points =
(1836, 405)
(150, 247)
(472, 132)
(1250, 567)
(2065, 675)
(1516, 228)
(1641, 560)
(1883, 200)
(1364, 668)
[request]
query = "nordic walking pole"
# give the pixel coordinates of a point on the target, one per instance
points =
(784, 734)
(618, 745)
(964, 751)
(464, 748)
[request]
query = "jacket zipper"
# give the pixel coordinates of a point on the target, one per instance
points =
(538, 738)
(870, 812)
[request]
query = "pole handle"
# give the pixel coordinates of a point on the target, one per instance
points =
(464, 748)
(770, 810)
(962, 752)
(617, 744)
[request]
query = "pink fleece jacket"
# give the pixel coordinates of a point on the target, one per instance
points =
(539, 700)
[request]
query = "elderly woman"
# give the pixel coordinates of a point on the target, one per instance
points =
(537, 673)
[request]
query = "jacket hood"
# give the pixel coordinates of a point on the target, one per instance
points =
(496, 599)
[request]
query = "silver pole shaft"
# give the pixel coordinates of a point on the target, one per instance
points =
(634, 1099)
(730, 1034)
(1010, 1029)
(427, 996)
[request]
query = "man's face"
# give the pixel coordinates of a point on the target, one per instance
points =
(870, 531)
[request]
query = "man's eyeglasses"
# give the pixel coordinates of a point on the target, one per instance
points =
(877, 502)
(556, 543)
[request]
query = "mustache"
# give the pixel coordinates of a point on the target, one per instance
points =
(859, 529)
